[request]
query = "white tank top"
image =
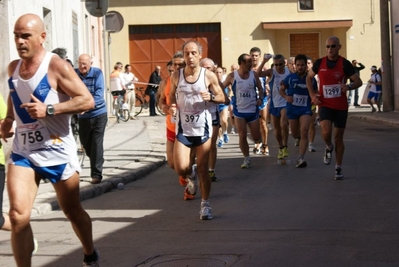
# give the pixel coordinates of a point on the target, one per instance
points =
(245, 93)
(193, 117)
(278, 100)
(48, 141)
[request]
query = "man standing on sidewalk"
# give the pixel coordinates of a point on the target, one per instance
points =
(357, 70)
(129, 80)
(92, 123)
(152, 88)
(44, 92)
(333, 70)
(192, 88)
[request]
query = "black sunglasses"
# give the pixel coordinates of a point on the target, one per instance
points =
(332, 46)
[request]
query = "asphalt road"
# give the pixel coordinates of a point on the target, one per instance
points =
(269, 215)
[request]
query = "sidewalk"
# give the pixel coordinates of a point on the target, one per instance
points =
(135, 148)
(364, 113)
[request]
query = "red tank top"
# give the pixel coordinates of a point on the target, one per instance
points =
(331, 95)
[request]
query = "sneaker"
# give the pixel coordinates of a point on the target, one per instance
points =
(188, 195)
(206, 213)
(182, 181)
(213, 176)
(265, 150)
(339, 175)
(233, 130)
(257, 148)
(311, 148)
(328, 155)
(373, 110)
(192, 184)
(301, 163)
(125, 106)
(285, 152)
(93, 263)
(35, 246)
(246, 164)
(225, 138)
(280, 153)
(296, 142)
(220, 143)
(269, 126)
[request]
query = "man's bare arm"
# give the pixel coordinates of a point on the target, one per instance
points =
(309, 84)
(357, 82)
(259, 85)
(226, 96)
(215, 89)
(229, 80)
(260, 71)
(63, 78)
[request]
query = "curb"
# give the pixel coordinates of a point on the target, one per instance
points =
(107, 185)
(376, 119)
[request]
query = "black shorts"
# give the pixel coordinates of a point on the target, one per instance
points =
(338, 117)
(116, 93)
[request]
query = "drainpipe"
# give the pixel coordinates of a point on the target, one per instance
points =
(386, 70)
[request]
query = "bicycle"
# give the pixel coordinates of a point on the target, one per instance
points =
(143, 103)
(120, 113)
(75, 131)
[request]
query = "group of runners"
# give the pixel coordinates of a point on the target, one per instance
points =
(192, 94)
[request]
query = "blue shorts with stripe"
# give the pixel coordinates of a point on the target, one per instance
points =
(53, 173)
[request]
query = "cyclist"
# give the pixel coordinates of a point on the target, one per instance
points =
(116, 84)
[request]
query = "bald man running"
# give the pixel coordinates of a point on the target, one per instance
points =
(44, 92)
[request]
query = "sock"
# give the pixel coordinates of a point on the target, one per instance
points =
(204, 203)
(338, 166)
(225, 132)
(247, 158)
(90, 258)
(211, 170)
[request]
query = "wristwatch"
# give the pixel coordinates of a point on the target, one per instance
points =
(50, 110)
(212, 97)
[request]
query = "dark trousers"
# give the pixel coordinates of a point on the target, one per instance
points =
(356, 92)
(2, 181)
(152, 103)
(91, 134)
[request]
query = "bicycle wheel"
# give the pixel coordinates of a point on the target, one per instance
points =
(123, 114)
(117, 109)
(160, 111)
(138, 105)
(80, 150)
(81, 155)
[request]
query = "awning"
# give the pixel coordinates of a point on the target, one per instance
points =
(321, 24)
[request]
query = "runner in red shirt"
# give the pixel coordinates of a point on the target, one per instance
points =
(333, 71)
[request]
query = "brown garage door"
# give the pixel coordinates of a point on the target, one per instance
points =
(151, 45)
(305, 43)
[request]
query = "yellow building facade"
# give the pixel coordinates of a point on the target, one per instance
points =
(279, 27)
